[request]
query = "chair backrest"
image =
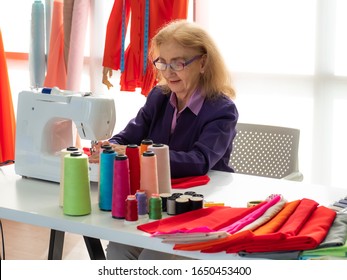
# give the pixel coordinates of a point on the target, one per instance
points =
(263, 150)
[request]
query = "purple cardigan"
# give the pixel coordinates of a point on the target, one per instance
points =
(198, 143)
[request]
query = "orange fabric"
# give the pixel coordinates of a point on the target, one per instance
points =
(7, 117)
(160, 12)
(56, 69)
(276, 222)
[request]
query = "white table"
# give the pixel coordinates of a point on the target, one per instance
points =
(36, 202)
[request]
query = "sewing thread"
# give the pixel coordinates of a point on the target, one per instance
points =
(142, 202)
(164, 197)
(145, 143)
(182, 205)
(121, 186)
(149, 175)
(106, 168)
(171, 205)
(196, 202)
(77, 200)
(131, 213)
(163, 166)
(133, 153)
(63, 153)
(155, 207)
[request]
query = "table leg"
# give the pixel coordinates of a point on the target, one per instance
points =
(56, 244)
(94, 247)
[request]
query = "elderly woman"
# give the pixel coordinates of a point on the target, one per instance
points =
(191, 110)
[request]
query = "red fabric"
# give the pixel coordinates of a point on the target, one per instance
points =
(214, 218)
(189, 182)
(312, 233)
(299, 217)
(7, 117)
(160, 12)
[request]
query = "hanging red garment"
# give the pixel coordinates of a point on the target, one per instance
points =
(7, 117)
(136, 69)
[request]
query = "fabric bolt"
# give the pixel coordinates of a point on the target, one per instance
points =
(135, 73)
(285, 255)
(56, 70)
(212, 218)
(37, 63)
(337, 234)
(67, 15)
(299, 217)
(335, 251)
(314, 231)
(268, 215)
(79, 26)
(251, 217)
(7, 116)
(311, 234)
(48, 23)
(198, 135)
(276, 222)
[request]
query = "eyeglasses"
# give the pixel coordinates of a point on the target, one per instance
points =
(175, 65)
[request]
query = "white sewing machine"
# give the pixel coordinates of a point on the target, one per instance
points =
(47, 122)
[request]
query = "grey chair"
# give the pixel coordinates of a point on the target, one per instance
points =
(268, 151)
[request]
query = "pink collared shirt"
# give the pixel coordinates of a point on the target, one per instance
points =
(194, 104)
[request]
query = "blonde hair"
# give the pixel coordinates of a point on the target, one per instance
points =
(216, 79)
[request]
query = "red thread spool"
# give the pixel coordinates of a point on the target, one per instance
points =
(133, 153)
(131, 213)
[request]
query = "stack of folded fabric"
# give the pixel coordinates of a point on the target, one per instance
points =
(275, 228)
(334, 246)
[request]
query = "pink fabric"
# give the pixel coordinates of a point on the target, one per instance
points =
(56, 70)
(77, 41)
(251, 217)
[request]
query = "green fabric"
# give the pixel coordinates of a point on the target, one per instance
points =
(336, 251)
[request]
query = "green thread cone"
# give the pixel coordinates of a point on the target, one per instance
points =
(76, 185)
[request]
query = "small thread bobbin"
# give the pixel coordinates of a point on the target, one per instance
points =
(131, 213)
(155, 207)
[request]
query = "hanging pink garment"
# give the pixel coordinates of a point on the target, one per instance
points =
(56, 71)
(79, 25)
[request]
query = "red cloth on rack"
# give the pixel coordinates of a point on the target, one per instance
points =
(7, 117)
(189, 182)
(160, 12)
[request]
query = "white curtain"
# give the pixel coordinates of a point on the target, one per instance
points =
(289, 63)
